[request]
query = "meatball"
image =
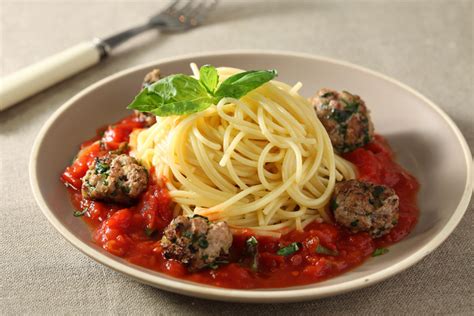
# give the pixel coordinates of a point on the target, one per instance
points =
(114, 178)
(151, 77)
(196, 242)
(148, 118)
(363, 206)
(345, 117)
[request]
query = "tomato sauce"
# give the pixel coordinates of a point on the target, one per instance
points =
(134, 233)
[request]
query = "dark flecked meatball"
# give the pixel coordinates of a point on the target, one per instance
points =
(114, 178)
(148, 118)
(196, 242)
(345, 118)
(363, 206)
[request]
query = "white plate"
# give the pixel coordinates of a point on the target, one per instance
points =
(425, 139)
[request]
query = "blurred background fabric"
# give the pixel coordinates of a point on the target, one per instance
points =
(425, 44)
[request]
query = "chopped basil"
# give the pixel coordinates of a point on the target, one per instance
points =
(290, 249)
(238, 85)
(351, 107)
(100, 167)
(334, 204)
(209, 78)
(325, 251)
(340, 116)
(88, 184)
(252, 251)
(149, 231)
(355, 223)
(214, 265)
(377, 191)
(80, 213)
(203, 243)
(343, 129)
(379, 252)
(251, 242)
(366, 138)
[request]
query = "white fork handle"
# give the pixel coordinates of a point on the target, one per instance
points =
(32, 79)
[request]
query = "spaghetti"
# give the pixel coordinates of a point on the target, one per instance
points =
(263, 161)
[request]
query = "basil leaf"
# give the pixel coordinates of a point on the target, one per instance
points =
(290, 249)
(209, 78)
(325, 251)
(80, 213)
(240, 84)
(174, 95)
(181, 94)
(379, 252)
(252, 251)
(149, 231)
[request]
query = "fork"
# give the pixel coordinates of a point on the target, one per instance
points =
(179, 16)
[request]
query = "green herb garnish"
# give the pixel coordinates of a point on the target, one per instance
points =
(80, 213)
(290, 249)
(252, 250)
(377, 191)
(340, 116)
(149, 231)
(214, 265)
(355, 223)
(252, 242)
(379, 252)
(188, 234)
(203, 243)
(209, 78)
(350, 107)
(181, 94)
(325, 251)
(101, 167)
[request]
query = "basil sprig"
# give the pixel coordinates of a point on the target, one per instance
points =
(181, 94)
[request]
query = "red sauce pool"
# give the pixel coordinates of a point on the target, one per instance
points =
(134, 233)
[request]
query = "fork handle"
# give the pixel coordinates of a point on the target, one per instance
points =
(37, 77)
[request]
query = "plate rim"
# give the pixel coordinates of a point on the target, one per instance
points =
(255, 295)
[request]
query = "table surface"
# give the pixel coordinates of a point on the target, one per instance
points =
(425, 44)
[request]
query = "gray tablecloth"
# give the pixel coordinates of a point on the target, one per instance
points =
(426, 44)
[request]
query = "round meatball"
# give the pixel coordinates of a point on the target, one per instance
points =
(115, 178)
(363, 206)
(148, 118)
(345, 117)
(196, 242)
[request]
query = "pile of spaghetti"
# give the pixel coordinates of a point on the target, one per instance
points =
(263, 162)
